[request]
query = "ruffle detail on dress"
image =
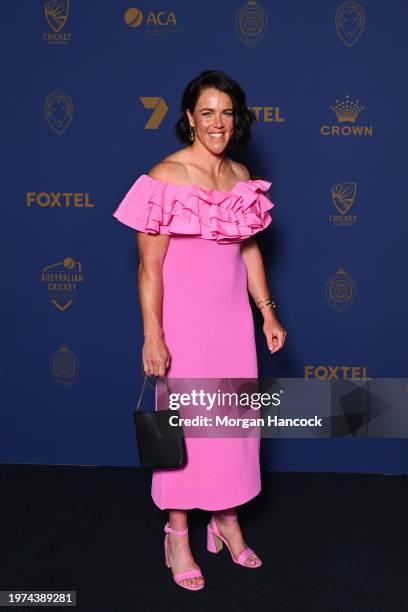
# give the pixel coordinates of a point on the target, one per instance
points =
(159, 207)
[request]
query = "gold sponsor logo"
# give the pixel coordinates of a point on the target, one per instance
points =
(340, 290)
(338, 372)
(251, 22)
(159, 107)
(133, 17)
(65, 199)
(155, 22)
(58, 110)
(268, 114)
(62, 280)
(350, 22)
(56, 14)
(343, 197)
(64, 366)
(347, 112)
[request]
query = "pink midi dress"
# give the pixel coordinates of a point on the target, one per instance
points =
(207, 321)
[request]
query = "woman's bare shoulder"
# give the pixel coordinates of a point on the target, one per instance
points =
(241, 171)
(171, 168)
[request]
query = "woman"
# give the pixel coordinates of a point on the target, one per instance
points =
(196, 213)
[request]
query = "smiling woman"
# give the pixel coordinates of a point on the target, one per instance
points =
(222, 110)
(196, 213)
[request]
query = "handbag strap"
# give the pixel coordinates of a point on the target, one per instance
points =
(143, 387)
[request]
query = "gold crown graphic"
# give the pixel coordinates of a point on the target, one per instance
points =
(347, 110)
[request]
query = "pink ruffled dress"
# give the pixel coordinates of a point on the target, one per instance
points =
(206, 319)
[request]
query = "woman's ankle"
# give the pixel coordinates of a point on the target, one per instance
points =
(178, 520)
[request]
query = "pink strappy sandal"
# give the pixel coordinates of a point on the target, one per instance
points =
(215, 542)
(194, 573)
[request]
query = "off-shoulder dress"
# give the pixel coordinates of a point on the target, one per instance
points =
(206, 319)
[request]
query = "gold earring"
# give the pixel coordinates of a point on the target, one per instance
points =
(191, 135)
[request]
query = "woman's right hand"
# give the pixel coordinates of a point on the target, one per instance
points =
(155, 356)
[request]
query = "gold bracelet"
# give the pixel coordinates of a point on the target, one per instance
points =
(269, 304)
(265, 300)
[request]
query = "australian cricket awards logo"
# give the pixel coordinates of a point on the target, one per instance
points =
(251, 22)
(343, 197)
(350, 22)
(340, 290)
(64, 366)
(62, 280)
(347, 112)
(58, 110)
(56, 14)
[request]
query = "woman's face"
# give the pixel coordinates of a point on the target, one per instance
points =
(212, 115)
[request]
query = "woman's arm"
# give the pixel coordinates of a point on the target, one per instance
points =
(152, 250)
(258, 289)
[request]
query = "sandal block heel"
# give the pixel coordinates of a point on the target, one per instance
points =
(214, 543)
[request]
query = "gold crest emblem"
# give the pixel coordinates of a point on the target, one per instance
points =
(340, 290)
(343, 196)
(58, 110)
(250, 23)
(64, 366)
(56, 13)
(350, 22)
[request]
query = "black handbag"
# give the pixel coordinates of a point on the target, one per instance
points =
(160, 444)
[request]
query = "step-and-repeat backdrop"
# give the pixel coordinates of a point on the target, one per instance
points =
(91, 99)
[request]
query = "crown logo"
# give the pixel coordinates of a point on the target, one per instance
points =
(347, 110)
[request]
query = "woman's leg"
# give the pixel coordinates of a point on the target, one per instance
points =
(232, 532)
(180, 555)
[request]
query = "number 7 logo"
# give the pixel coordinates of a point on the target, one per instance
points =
(160, 109)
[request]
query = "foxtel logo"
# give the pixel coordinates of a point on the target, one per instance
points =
(65, 199)
(327, 372)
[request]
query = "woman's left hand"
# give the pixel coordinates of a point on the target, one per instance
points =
(275, 334)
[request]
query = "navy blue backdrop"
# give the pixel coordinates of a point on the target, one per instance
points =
(91, 98)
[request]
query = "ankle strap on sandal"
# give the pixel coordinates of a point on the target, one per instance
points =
(169, 529)
(228, 517)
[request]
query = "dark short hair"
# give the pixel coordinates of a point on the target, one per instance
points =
(243, 116)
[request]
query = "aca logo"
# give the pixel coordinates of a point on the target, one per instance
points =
(338, 372)
(156, 22)
(267, 114)
(56, 14)
(58, 111)
(62, 280)
(343, 197)
(346, 112)
(350, 22)
(251, 22)
(340, 290)
(64, 366)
